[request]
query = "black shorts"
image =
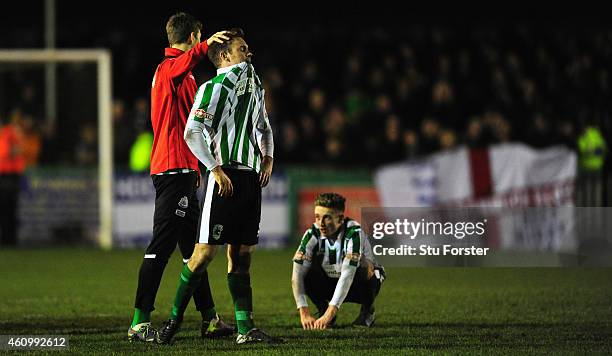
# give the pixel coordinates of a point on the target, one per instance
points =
(320, 288)
(233, 220)
(176, 215)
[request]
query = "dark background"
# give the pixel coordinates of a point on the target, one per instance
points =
(305, 49)
(136, 33)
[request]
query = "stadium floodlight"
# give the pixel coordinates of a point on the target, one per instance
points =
(102, 59)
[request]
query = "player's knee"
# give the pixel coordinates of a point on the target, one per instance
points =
(202, 256)
(209, 252)
(240, 263)
(197, 259)
(244, 254)
(247, 250)
(239, 258)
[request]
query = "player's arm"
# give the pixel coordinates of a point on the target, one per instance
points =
(347, 274)
(301, 264)
(265, 140)
(184, 63)
(196, 133)
(299, 294)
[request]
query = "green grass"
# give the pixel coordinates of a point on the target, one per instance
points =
(88, 295)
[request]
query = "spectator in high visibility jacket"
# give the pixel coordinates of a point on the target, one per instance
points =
(12, 166)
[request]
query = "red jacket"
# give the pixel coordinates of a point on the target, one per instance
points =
(172, 94)
(11, 158)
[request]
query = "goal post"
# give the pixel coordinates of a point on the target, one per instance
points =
(102, 59)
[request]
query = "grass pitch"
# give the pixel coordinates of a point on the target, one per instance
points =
(88, 295)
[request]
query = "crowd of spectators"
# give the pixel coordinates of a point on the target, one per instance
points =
(348, 97)
(385, 96)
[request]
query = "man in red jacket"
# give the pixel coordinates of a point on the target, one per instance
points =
(174, 170)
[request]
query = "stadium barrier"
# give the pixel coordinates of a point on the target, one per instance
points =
(60, 206)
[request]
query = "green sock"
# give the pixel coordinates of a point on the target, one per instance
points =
(187, 284)
(240, 288)
(208, 314)
(141, 316)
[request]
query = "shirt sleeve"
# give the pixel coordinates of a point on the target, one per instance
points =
(349, 268)
(195, 138)
(209, 103)
(184, 63)
(297, 284)
(264, 135)
(347, 274)
(302, 261)
(305, 251)
(196, 133)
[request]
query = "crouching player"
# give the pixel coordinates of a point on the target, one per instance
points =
(333, 264)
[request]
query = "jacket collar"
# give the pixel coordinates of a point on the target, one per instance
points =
(170, 52)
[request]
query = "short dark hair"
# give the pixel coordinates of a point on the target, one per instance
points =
(215, 49)
(330, 200)
(180, 26)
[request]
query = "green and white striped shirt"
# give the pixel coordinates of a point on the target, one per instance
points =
(351, 244)
(228, 123)
(338, 259)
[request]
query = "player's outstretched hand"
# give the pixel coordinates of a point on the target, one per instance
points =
(306, 319)
(218, 37)
(324, 321)
(225, 184)
(321, 323)
(266, 170)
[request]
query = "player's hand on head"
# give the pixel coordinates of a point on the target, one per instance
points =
(226, 189)
(266, 170)
(218, 37)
